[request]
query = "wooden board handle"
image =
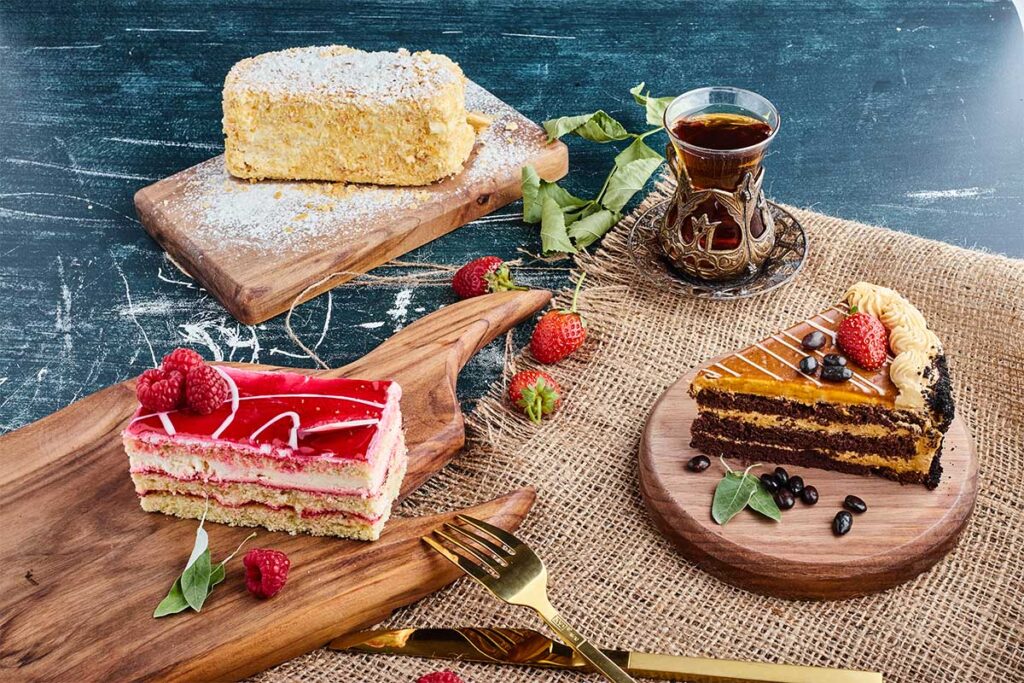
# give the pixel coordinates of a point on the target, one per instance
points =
(426, 357)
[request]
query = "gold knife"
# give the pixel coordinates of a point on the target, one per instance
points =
(530, 648)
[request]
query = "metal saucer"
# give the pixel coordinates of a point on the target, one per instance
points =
(783, 263)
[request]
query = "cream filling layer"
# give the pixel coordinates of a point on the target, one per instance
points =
(783, 422)
(187, 463)
(919, 463)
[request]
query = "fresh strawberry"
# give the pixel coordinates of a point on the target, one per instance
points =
(482, 276)
(205, 389)
(535, 393)
(863, 338)
(182, 360)
(160, 390)
(559, 333)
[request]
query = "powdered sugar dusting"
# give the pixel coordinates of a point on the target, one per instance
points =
(337, 71)
(275, 219)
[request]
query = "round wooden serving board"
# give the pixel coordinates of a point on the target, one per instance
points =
(905, 531)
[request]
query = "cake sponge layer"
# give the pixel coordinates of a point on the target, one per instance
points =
(341, 114)
(233, 511)
(238, 494)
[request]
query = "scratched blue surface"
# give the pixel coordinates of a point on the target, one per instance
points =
(902, 114)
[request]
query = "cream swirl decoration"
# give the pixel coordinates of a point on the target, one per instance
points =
(909, 338)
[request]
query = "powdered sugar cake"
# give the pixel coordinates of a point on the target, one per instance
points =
(257, 245)
(341, 114)
(287, 452)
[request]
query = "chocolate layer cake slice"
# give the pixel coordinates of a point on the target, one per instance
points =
(759, 405)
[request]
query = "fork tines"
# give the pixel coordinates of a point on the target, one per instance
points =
(478, 548)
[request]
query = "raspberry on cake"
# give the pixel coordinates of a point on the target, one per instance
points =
(341, 114)
(288, 452)
(865, 411)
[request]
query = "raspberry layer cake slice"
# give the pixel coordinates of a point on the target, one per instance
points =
(874, 398)
(284, 451)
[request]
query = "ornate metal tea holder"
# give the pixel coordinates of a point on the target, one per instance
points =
(784, 260)
(688, 235)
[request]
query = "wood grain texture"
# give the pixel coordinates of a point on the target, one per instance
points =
(86, 566)
(905, 531)
(255, 282)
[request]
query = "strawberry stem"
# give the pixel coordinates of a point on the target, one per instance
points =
(575, 295)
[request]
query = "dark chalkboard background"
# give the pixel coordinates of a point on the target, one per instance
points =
(909, 115)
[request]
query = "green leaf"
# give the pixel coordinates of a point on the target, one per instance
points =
(731, 495)
(536, 190)
(589, 229)
(553, 235)
(174, 602)
(597, 127)
(565, 200)
(195, 581)
(633, 168)
(655, 106)
(531, 195)
(761, 501)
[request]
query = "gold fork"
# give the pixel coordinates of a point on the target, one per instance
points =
(507, 567)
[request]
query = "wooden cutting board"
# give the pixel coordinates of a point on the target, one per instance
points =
(258, 246)
(905, 531)
(84, 567)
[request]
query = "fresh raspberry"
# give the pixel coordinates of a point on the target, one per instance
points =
(864, 339)
(535, 393)
(445, 676)
(559, 333)
(182, 360)
(159, 390)
(266, 571)
(205, 389)
(482, 276)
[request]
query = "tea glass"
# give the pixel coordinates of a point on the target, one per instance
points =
(718, 225)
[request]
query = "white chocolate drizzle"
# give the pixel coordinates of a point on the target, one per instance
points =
(344, 424)
(727, 369)
(166, 422)
(764, 370)
(293, 432)
(786, 363)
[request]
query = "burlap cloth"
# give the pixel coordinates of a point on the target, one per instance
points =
(624, 586)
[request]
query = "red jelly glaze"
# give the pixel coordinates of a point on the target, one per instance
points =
(349, 443)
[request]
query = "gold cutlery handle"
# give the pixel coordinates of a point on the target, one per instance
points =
(583, 646)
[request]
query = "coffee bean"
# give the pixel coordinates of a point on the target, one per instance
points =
(855, 504)
(796, 485)
(808, 365)
(836, 373)
(842, 523)
(698, 463)
(769, 483)
(781, 476)
(834, 360)
(814, 340)
(809, 495)
(784, 499)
